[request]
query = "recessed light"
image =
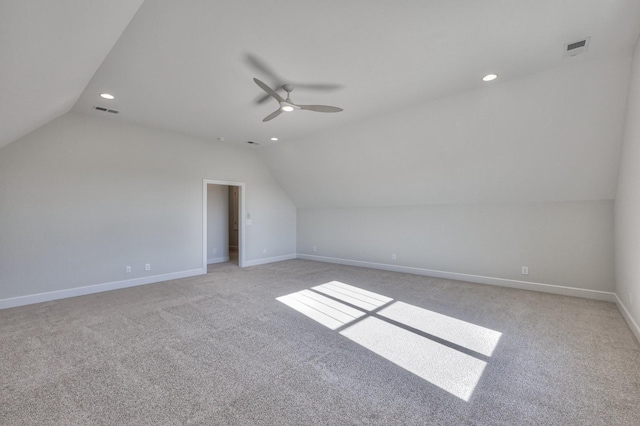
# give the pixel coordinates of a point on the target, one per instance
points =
(107, 96)
(274, 139)
(489, 77)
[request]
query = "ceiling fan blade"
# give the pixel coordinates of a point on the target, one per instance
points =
(320, 108)
(319, 86)
(273, 115)
(262, 99)
(259, 65)
(269, 90)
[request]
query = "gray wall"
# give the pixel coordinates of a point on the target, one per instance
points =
(627, 206)
(217, 223)
(82, 197)
(564, 243)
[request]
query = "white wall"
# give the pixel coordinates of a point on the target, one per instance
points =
(627, 207)
(566, 244)
(82, 197)
(217, 223)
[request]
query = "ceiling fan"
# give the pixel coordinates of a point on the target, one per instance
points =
(278, 82)
(287, 105)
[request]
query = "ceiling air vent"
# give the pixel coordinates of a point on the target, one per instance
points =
(577, 47)
(103, 109)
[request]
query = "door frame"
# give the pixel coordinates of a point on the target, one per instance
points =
(241, 214)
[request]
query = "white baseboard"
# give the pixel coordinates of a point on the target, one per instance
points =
(217, 260)
(269, 260)
(13, 302)
(628, 318)
(502, 282)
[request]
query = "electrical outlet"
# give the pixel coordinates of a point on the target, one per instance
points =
(314, 249)
(393, 256)
(147, 266)
(525, 270)
(264, 251)
(215, 250)
(128, 269)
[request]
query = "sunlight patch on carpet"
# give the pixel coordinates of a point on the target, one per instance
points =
(324, 310)
(406, 335)
(364, 299)
(447, 368)
(471, 336)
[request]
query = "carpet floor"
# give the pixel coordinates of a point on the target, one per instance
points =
(301, 342)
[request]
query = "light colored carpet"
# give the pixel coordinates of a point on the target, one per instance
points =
(220, 349)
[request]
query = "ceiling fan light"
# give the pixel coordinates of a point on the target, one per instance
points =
(287, 108)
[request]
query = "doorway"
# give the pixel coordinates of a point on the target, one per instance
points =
(223, 227)
(233, 225)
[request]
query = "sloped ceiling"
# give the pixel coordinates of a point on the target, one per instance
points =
(552, 136)
(49, 50)
(182, 65)
(410, 77)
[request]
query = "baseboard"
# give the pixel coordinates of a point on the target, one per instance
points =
(217, 260)
(269, 260)
(628, 318)
(96, 288)
(502, 282)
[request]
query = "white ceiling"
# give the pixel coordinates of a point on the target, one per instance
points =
(419, 126)
(49, 50)
(182, 66)
(552, 136)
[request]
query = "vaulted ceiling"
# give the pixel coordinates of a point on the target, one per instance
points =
(188, 67)
(49, 50)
